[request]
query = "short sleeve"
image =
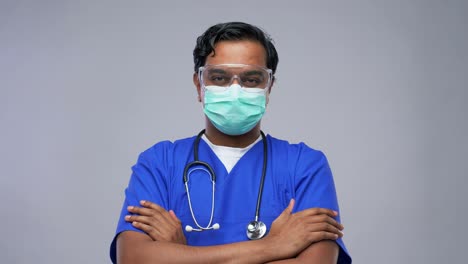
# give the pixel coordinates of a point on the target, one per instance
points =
(147, 182)
(314, 187)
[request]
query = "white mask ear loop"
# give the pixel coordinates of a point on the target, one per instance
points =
(215, 226)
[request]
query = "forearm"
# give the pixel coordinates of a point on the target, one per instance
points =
(322, 252)
(133, 247)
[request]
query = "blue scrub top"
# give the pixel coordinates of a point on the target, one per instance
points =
(293, 171)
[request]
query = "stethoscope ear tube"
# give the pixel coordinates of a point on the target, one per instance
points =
(189, 228)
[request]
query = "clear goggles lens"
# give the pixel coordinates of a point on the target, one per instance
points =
(248, 76)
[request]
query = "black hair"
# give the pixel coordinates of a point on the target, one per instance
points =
(233, 31)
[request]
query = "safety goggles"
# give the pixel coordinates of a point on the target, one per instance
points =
(223, 75)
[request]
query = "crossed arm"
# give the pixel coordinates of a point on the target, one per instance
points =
(302, 237)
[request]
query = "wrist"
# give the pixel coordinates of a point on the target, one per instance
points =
(274, 248)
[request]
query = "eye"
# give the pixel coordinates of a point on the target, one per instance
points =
(251, 82)
(218, 79)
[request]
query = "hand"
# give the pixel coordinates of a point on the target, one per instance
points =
(294, 232)
(158, 223)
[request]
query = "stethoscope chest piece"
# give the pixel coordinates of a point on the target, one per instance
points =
(256, 230)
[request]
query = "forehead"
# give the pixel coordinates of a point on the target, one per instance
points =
(238, 52)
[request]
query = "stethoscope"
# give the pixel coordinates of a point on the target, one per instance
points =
(255, 229)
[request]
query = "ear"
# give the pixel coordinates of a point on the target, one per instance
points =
(196, 81)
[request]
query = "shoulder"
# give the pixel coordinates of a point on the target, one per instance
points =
(165, 149)
(296, 151)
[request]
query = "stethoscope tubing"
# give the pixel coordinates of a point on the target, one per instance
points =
(262, 180)
(190, 203)
(207, 168)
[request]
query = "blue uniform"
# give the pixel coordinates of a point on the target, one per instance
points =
(293, 171)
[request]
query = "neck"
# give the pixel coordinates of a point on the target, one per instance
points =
(221, 139)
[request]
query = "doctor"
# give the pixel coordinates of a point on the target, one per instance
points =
(231, 194)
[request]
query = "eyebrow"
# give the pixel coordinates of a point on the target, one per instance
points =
(253, 72)
(217, 71)
(246, 73)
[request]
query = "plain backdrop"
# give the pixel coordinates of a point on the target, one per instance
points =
(379, 86)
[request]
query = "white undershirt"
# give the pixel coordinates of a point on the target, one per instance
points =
(229, 156)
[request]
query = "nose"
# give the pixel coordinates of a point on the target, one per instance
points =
(235, 80)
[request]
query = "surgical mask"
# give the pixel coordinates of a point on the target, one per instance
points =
(234, 110)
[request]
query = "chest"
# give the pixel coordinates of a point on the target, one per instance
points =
(232, 200)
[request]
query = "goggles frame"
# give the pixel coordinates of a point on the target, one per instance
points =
(269, 72)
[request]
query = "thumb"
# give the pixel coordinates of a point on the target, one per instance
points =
(282, 218)
(288, 210)
(173, 215)
(291, 206)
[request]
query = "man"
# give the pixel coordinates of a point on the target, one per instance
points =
(242, 196)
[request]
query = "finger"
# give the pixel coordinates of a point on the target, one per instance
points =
(157, 209)
(324, 227)
(290, 207)
(138, 218)
(173, 215)
(147, 229)
(323, 218)
(288, 210)
(284, 216)
(151, 205)
(159, 223)
(335, 223)
(152, 224)
(316, 211)
(141, 210)
(165, 220)
(322, 235)
(150, 212)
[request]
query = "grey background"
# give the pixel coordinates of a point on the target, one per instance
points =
(379, 86)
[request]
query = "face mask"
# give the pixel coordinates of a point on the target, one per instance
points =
(233, 110)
